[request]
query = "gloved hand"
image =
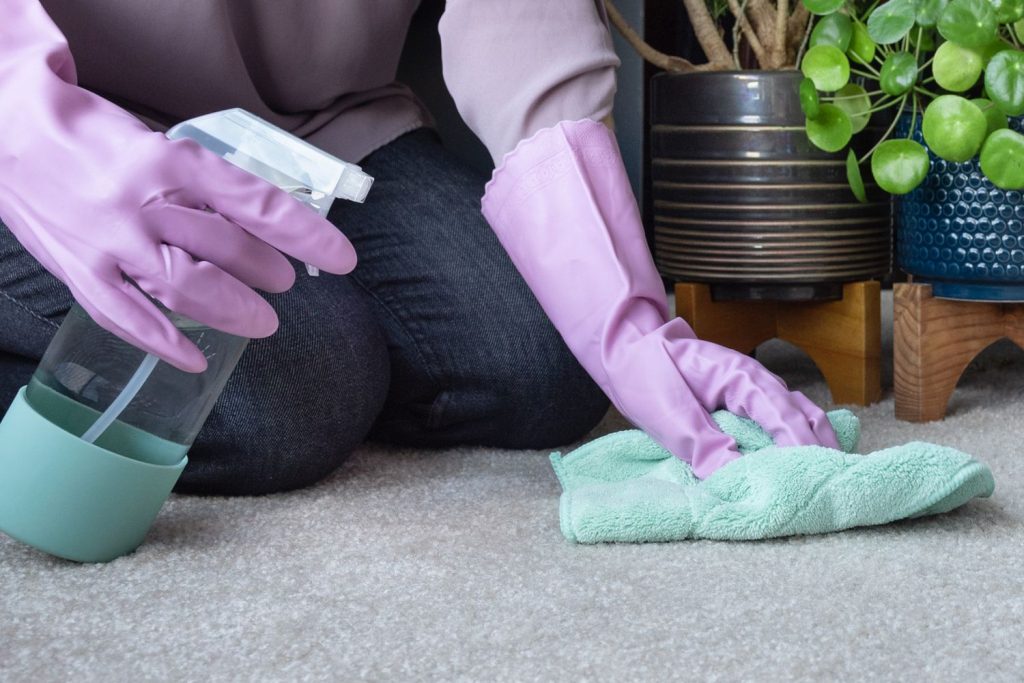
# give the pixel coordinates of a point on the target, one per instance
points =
(562, 206)
(96, 197)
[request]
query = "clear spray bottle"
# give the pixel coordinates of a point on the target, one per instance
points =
(91, 448)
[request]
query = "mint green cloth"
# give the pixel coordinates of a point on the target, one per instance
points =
(625, 487)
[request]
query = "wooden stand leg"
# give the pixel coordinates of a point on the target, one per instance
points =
(843, 337)
(933, 342)
(739, 325)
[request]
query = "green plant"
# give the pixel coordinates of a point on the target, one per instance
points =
(956, 66)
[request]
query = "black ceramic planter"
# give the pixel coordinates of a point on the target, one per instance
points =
(960, 233)
(744, 202)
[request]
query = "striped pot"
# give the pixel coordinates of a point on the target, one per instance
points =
(744, 202)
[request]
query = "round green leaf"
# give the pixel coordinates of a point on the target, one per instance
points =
(1004, 81)
(833, 29)
(809, 101)
(899, 165)
(832, 130)
(995, 119)
(956, 68)
(1008, 11)
(970, 23)
(954, 128)
(1018, 29)
(854, 100)
(899, 73)
(891, 21)
(827, 66)
(1002, 159)
(862, 48)
(854, 178)
(823, 6)
(929, 11)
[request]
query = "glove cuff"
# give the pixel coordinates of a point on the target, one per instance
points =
(542, 159)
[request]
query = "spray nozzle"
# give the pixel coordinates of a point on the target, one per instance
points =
(311, 175)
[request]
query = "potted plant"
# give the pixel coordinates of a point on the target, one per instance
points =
(742, 199)
(953, 72)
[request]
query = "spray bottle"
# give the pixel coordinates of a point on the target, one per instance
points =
(91, 448)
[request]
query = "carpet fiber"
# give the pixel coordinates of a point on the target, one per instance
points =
(416, 565)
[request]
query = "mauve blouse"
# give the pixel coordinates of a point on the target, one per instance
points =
(325, 69)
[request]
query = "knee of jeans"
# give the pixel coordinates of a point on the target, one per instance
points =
(548, 403)
(290, 415)
(234, 468)
(542, 400)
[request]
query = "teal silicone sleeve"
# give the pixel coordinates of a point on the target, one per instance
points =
(71, 498)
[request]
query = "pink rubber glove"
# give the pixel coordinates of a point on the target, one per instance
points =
(96, 197)
(562, 207)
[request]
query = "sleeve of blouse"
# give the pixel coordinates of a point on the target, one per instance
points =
(515, 67)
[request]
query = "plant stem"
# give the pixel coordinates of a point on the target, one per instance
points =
(851, 97)
(917, 54)
(798, 26)
(806, 39)
(913, 117)
(925, 91)
(885, 104)
(762, 17)
(671, 62)
(1009, 30)
(870, 68)
(873, 76)
(737, 38)
(892, 126)
(763, 58)
(779, 42)
(705, 30)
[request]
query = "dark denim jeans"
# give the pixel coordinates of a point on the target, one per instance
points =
(433, 341)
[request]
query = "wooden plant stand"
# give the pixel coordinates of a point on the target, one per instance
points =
(935, 339)
(843, 338)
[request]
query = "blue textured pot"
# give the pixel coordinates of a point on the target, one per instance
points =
(960, 233)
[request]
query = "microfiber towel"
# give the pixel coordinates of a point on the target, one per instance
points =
(624, 487)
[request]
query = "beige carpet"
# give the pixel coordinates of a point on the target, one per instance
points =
(412, 565)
